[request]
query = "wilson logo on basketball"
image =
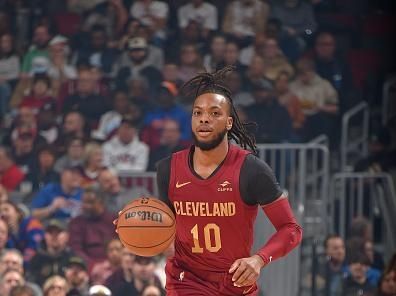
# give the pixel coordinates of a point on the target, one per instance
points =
(144, 215)
(225, 186)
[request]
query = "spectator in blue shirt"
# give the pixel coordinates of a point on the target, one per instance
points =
(59, 200)
(167, 108)
(25, 232)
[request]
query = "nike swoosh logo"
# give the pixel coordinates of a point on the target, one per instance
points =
(182, 184)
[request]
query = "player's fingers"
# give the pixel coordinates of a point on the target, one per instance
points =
(115, 221)
(241, 268)
(234, 266)
(242, 278)
(250, 280)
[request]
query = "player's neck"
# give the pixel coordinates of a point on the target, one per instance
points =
(213, 156)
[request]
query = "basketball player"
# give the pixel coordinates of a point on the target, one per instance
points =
(215, 189)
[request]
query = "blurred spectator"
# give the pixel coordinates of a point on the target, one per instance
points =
(244, 19)
(255, 71)
(90, 231)
(59, 200)
(25, 233)
(85, 100)
(331, 66)
(117, 196)
(297, 17)
(274, 60)
(154, 15)
(53, 257)
(99, 290)
(74, 155)
(11, 259)
(139, 89)
(40, 95)
(60, 70)
(274, 123)
(170, 142)
(36, 60)
(97, 53)
(356, 283)
(152, 290)
(9, 70)
(214, 58)
(318, 99)
(112, 15)
(42, 171)
(22, 291)
(77, 277)
(191, 34)
(138, 61)
(47, 123)
(335, 268)
(23, 140)
(92, 164)
(125, 152)
(247, 53)
(74, 126)
(240, 97)
(110, 121)
(135, 274)
(166, 108)
(3, 235)
(10, 175)
(231, 57)
(55, 286)
(130, 30)
(202, 12)
(190, 62)
(170, 73)
(9, 279)
(289, 44)
(101, 271)
(289, 100)
(387, 284)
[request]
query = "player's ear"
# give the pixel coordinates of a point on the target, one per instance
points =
(230, 122)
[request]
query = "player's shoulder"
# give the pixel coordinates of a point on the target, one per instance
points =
(164, 164)
(253, 163)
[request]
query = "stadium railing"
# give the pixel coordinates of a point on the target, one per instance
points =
(388, 105)
(371, 195)
(354, 135)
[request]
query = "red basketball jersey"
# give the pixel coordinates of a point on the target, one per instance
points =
(214, 225)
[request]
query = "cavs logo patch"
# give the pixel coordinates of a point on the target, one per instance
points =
(225, 186)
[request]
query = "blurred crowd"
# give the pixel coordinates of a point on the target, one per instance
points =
(91, 91)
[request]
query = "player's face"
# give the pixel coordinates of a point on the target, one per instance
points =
(210, 120)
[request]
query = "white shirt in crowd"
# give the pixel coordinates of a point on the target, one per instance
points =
(205, 14)
(129, 158)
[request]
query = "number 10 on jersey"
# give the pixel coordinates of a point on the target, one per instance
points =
(211, 238)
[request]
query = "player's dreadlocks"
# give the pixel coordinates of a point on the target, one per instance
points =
(206, 82)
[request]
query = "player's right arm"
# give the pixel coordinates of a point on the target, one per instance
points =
(163, 179)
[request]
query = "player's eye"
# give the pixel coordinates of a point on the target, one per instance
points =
(196, 113)
(215, 113)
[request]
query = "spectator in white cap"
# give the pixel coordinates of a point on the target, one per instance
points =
(99, 290)
(60, 70)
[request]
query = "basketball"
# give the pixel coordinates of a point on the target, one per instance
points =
(146, 226)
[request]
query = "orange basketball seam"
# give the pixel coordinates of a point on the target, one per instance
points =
(149, 247)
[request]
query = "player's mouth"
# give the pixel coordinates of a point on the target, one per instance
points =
(204, 131)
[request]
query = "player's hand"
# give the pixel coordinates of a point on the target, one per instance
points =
(115, 222)
(246, 270)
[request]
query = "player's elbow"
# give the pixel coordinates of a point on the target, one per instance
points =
(295, 234)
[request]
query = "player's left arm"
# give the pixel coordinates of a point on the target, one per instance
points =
(267, 193)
